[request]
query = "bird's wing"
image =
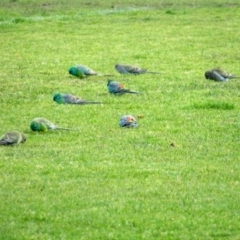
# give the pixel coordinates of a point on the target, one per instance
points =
(86, 70)
(219, 77)
(121, 68)
(134, 69)
(69, 98)
(222, 72)
(10, 138)
(48, 124)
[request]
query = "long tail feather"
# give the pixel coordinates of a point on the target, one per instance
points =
(105, 75)
(154, 72)
(83, 103)
(67, 129)
(134, 92)
(129, 91)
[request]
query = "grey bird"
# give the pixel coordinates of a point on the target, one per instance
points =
(118, 88)
(12, 138)
(131, 69)
(219, 75)
(128, 121)
(67, 98)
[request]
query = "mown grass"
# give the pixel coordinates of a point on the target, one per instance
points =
(174, 177)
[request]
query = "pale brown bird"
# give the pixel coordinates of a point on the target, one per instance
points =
(12, 138)
(130, 69)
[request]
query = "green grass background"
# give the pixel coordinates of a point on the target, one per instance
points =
(104, 182)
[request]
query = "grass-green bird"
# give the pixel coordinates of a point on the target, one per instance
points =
(82, 71)
(219, 75)
(67, 98)
(12, 138)
(43, 125)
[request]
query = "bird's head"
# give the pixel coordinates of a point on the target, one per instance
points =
(76, 72)
(57, 98)
(23, 138)
(207, 74)
(40, 127)
(73, 71)
(109, 82)
(131, 121)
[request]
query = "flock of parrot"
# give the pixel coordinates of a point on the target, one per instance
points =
(116, 88)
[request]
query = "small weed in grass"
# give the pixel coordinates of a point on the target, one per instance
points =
(211, 105)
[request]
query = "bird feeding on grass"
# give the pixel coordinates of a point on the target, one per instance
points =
(82, 71)
(12, 138)
(43, 125)
(218, 75)
(128, 121)
(67, 98)
(131, 69)
(118, 88)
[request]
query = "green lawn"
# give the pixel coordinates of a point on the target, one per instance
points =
(176, 176)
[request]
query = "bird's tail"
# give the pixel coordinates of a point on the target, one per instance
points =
(91, 102)
(129, 91)
(153, 72)
(233, 76)
(122, 91)
(67, 129)
(133, 92)
(105, 75)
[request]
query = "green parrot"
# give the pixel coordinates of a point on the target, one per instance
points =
(12, 138)
(219, 75)
(62, 98)
(82, 71)
(43, 125)
(131, 69)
